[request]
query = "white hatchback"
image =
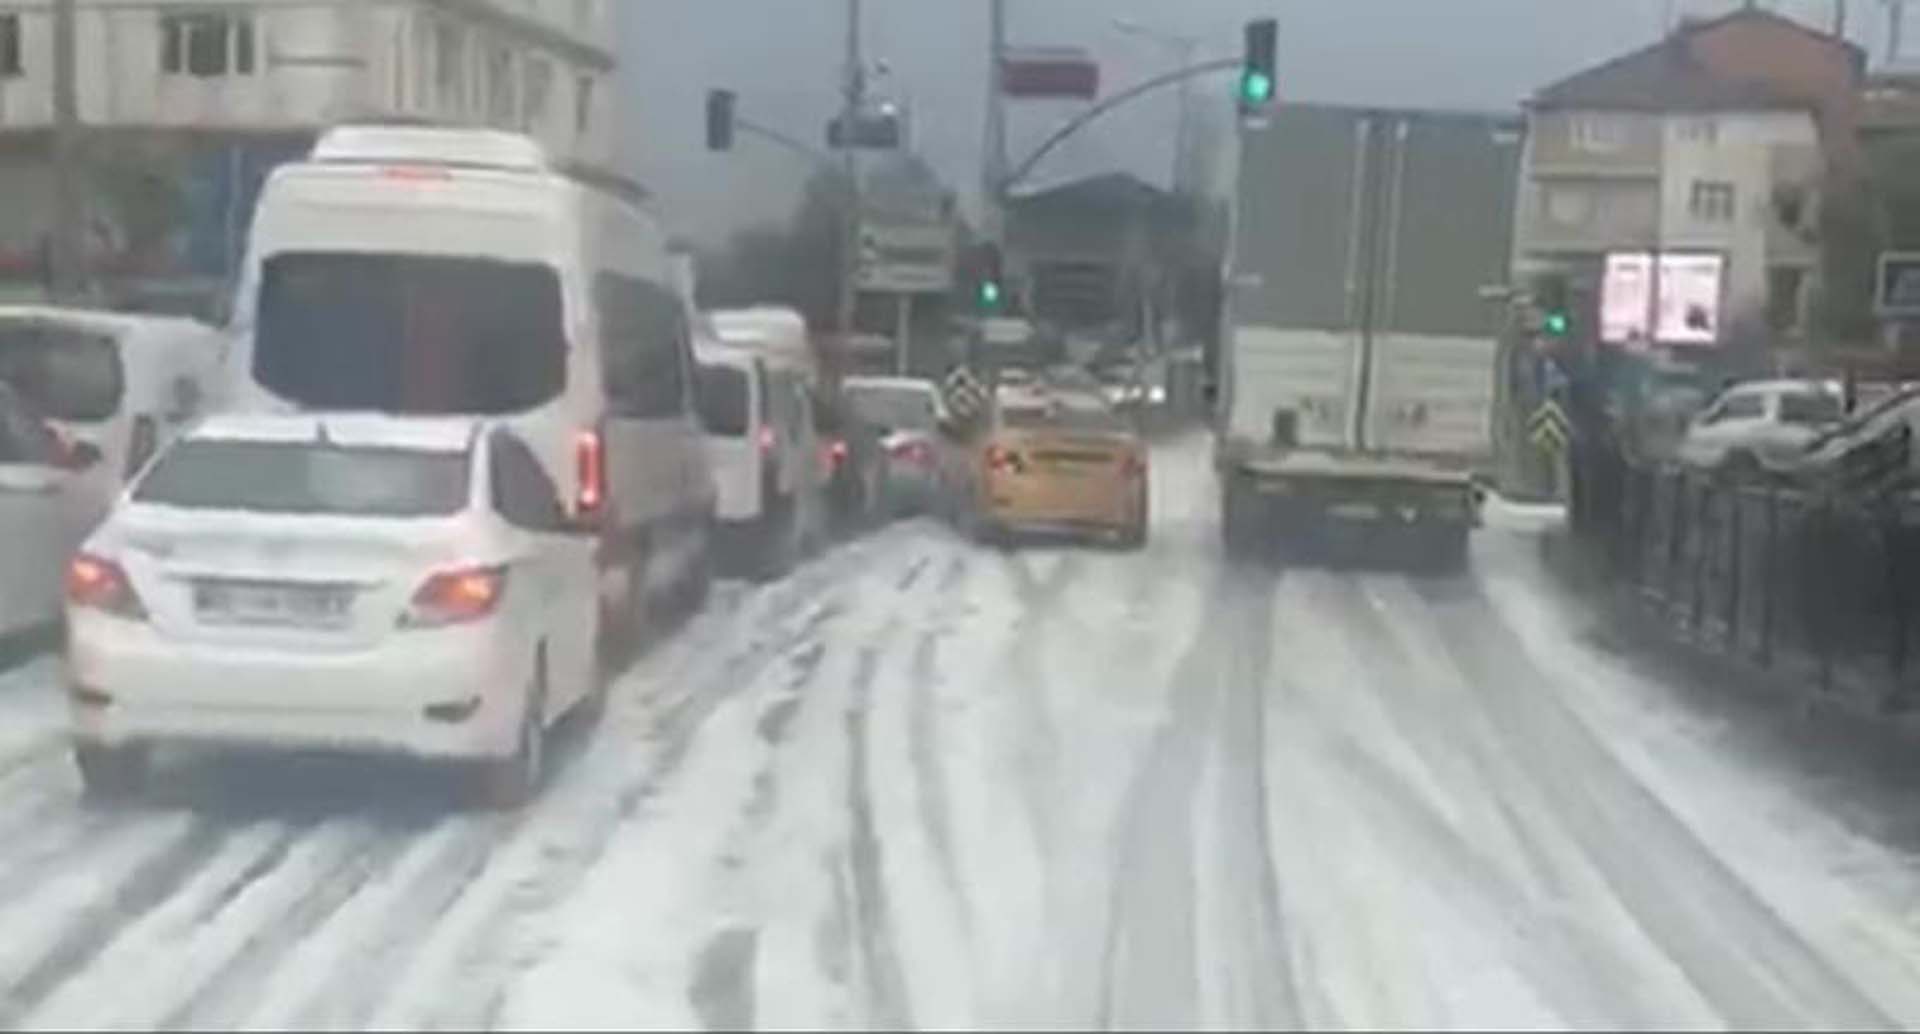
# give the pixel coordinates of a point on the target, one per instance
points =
(1757, 421)
(357, 583)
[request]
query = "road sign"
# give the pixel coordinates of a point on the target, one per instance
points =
(1034, 73)
(1549, 427)
(1898, 293)
(906, 258)
(964, 397)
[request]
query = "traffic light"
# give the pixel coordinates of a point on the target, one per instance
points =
(720, 120)
(990, 285)
(1259, 71)
(1551, 298)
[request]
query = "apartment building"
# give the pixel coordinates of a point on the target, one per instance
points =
(1717, 138)
(187, 104)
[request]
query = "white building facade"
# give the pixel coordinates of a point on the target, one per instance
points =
(1741, 183)
(188, 103)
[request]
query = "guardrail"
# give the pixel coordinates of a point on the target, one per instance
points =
(1822, 589)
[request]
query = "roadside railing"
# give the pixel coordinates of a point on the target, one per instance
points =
(1821, 589)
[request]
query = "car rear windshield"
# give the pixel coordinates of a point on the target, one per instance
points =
(307, 478)
(410, 333)
(722, 397)
(1063, 418)
(1810, 408)
(63, 372)
(896, 409)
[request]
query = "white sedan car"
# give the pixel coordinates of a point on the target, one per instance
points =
(356, 583)
(1760, 419)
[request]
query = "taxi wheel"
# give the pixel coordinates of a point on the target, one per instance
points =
(111, 773)
(511, 782)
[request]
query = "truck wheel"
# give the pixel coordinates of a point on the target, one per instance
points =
(1443, 550)
(1240, 520)
(111, 773)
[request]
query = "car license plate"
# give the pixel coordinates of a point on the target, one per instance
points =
(242, 603)
(1355, 512)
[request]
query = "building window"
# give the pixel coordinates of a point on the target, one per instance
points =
(583, 104)
(1567, 206)
(1599, 134)
(501, 94)
(206, 45)
(539, 87)
(450, 66)
(10, 66)
(1704, 131)
(1712, 201)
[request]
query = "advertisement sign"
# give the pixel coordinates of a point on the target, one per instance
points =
(1690, 292)
(1687, 308)
(1626, 300)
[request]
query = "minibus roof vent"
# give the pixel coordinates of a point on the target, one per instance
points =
(367, 144)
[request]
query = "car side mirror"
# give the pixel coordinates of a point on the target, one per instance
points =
(77, 456)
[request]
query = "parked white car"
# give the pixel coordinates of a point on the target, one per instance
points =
(357, 583)
(86, 399)
(1757, 420)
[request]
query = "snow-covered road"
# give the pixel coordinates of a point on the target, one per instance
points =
(921, 784)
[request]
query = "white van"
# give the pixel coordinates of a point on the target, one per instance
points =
(436, 271)
(89, 398)
(765, 451)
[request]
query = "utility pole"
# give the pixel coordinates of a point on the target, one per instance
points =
(1896, 28)
(850, 113)
(67, 236)
(994, 149)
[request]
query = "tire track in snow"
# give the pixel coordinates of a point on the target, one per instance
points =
(249, 949)
(138, 867)
(1149, 972)
(873, 922)
(473, 938)
(1754, 968)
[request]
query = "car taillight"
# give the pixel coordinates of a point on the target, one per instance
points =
(1132, 465)
(766, 439)
(97, 583)
(590, 466)
(456, 597)
(912, 452)
(1001, 458)
(837, 452)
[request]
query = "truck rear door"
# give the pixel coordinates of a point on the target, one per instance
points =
(1295, 300)
(1446, 217)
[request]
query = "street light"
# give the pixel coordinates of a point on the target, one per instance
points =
(1184, 47)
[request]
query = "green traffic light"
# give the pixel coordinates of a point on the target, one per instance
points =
(1256, 87)
(989, 295)
(1557, 324)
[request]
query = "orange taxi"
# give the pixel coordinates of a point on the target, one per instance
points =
(1062, 462)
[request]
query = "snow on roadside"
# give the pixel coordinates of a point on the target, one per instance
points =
(1804, 862)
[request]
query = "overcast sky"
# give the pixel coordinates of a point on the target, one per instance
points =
(782, 56)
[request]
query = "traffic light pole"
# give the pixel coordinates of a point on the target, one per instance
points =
(66, 247)
(1061, 135)
(854, 101)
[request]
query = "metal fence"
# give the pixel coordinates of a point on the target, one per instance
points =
(1820, 588)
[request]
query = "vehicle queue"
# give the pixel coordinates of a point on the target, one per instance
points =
(465, 442)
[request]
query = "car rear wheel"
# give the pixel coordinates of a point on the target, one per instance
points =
(111, 773)
(1135, 536)
(511, 782)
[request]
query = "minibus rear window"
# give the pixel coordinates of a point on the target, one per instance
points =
(410, 333)
(64, 372)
